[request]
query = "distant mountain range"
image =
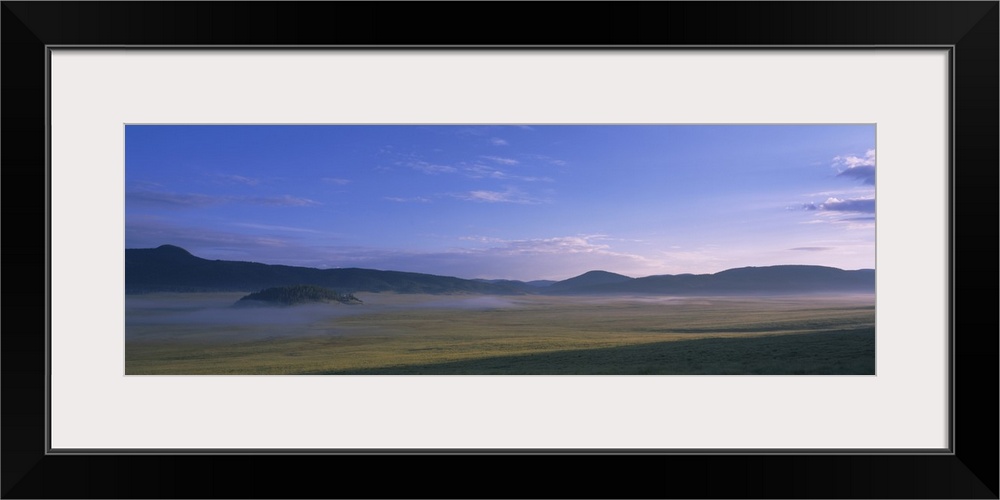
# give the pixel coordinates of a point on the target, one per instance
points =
(770, 280)
(171, 268)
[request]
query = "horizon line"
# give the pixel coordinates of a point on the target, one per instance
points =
(507, 279)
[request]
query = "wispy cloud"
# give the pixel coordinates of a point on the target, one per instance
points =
(414, 199)
(811, 249)
(268, 227)
(558, 245)
(430, 168)
(502, 160)
(856, 205)
(509, 196)
(546, 159)
(143, 185)
(336, 181)
(482, 171)
(854, 192)
(857, 167)
(176, 200)
(496, 141)
(239, 179)
(485, 166)
(280, 201)
(489, 196)
(195, 200)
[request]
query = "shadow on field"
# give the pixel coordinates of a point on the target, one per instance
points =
(840, 352)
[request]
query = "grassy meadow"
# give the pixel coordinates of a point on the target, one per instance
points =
(399, 334)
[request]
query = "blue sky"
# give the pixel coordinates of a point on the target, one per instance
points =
(514, 202)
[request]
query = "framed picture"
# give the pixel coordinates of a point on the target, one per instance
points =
(441, 249)
(164, 124)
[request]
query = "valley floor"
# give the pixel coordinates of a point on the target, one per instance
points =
(394, 334)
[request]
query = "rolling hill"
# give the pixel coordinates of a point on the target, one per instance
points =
(587, 280)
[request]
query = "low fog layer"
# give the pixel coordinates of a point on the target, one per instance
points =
(470, 303)
(161, 316)
(213, 317)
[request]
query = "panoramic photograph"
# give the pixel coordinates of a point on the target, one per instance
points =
(534, 249)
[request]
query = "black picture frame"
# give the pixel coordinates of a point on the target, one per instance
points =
(969, 28)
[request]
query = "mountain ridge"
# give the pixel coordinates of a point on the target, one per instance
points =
(172, 268)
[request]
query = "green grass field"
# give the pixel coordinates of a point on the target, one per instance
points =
(394, 334)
